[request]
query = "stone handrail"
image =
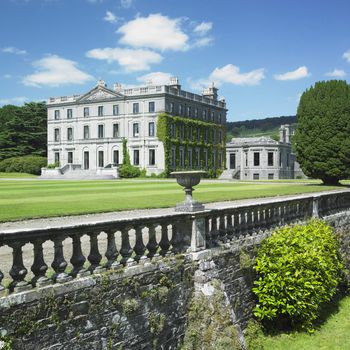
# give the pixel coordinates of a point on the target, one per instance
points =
(146, 239)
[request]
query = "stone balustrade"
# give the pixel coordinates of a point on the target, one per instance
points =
(144, 240)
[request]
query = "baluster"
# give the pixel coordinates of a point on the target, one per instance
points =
(229, 226)
(18, 271)
(236, 223)
(176, 241)
(95, 256)
(111, 252)
(59, 264)
(249, 223)
(208, 235)
(139, 247)
(214, 230)
(39, 266)
(164, 242)
(126, 250)
(78, 259)
(152, 245)
(222, 228)
(243, 222)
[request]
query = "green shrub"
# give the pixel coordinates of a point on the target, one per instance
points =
(129, 171)
(298, 269)
(53, 165)
(26, 164)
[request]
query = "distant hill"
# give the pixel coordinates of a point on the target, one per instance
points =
(258, 127)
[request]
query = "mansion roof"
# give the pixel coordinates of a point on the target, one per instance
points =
(102, 93)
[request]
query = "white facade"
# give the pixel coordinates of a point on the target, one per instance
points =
(261, 158)
(87, 130)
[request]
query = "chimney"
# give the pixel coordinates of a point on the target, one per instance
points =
(117, 87)
(286, 133)
(174, 82)
(211, 92)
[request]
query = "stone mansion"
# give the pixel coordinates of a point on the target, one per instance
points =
(86, 132)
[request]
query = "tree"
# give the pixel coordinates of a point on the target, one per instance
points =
(322, 137)
(23, 130)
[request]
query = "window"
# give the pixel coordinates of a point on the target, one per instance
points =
(116, 110)
(181, 157)
(189, 155)
(100, 111)
(57, 114)
(69, 113)
(204, 114)
(57, 135)
(171, 107)
(173, 157)
(100, 131)
(270, 158)
(206, 158)
(135, 130)
(135, 108)
(151, 129)
(151, 107)
(69, 134)
(115, 157)
(196, 112)
(232, 160)
(220, 136)
(198, 134)
(70, 157)
(270, 176)
(189, 111)
(100, 159)
(256, 176)
(86, 160)
(57, 158)
(152, 157)
(287, 159)
(86, 111)
(136, 157)
(180, 109)
(86, 132)
(256, 158)
(115, 130)
(212, 115)
(198, 158)
(190, 133)
(206, 135)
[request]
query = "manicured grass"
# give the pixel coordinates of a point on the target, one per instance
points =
(332, 335)
(29, 199)
(16, 175)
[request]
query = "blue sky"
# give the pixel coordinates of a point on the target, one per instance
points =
(262, 54)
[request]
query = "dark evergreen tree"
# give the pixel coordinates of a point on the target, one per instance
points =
(322, 137)
(23, 130)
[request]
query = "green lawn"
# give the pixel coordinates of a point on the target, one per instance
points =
(29, 199)
(16, 175)
(332, 335)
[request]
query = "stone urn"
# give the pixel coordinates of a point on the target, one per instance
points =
(188, 179)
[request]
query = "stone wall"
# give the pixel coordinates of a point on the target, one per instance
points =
(144, 305)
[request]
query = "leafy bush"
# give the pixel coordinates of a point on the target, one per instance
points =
(299, 268)
(53, 165)
(26, 164)
(129, 171)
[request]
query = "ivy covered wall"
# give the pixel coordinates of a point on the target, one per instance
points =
(192, 144)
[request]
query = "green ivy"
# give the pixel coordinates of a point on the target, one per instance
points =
(299, 268)
(197, 140)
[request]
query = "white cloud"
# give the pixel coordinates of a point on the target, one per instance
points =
(299, 73)
(7, 76)
(157, 78)
(13, 100)
(110, 17)
(14, 50)
(206, 41)
(130, 59)
(346, 55)
(156, 32)
(203, 28)
(336, 73)
(126, 3)
(55, 71)
(231, 74)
